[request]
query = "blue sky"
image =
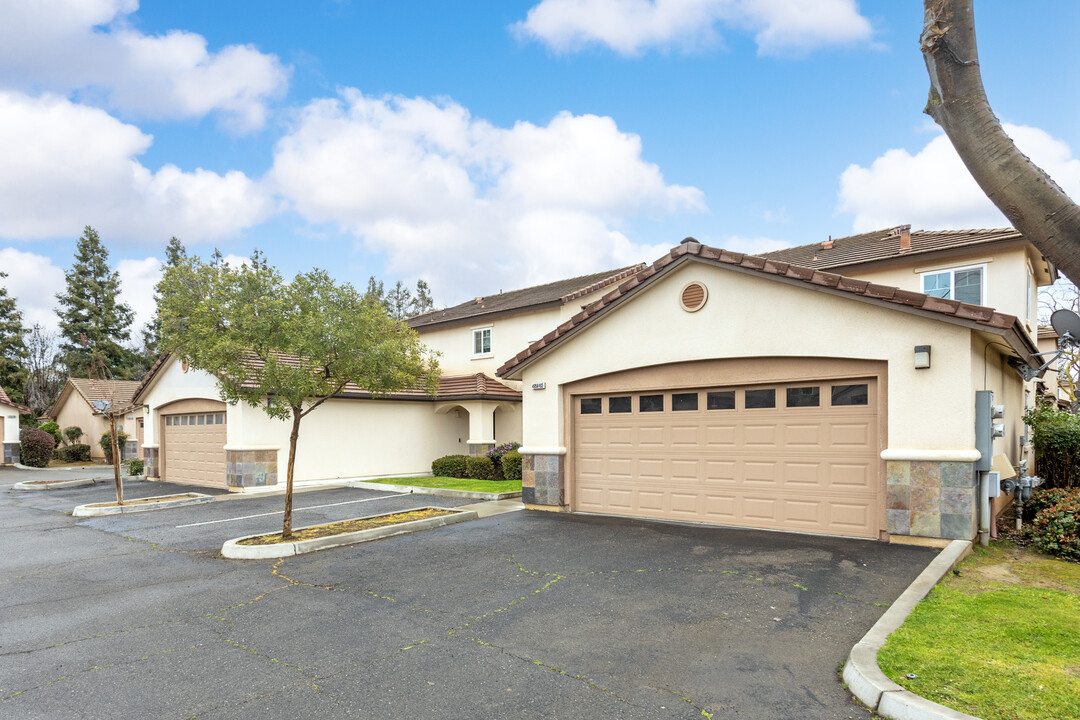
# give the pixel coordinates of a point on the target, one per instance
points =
(488, 145)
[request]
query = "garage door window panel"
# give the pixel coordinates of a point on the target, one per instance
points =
(592, 406)
(799, 397)
(681, 402)
(651, 403)
(720, 400)
(850, 395)
(620, 404)
(760, 399)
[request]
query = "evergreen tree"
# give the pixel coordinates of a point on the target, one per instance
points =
(399, 302)
(175, 253)
(422, 303)
(93, 321)
(12, 346)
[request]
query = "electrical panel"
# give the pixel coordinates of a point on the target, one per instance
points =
(985, 428)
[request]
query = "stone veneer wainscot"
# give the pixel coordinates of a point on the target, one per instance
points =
(251, 468)
(11, 453)
(542, 480)
(931, 499)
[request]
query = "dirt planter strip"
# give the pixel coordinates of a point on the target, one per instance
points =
(37, 486)
(143, 505)
(861, 672)
(232, 548)
(439, 492)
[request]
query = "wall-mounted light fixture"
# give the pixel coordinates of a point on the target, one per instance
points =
(922, 357)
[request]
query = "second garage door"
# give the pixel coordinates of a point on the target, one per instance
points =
(194, 448)
(800, 456)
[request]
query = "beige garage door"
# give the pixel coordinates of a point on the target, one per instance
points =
(800, 456)
(194, 448)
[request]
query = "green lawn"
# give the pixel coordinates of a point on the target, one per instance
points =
(493, 486)
(1000, 641)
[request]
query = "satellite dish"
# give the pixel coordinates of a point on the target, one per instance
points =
(102, 405)
(1066, 322)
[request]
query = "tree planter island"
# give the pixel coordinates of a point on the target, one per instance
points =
(345, 532)
(159, 502)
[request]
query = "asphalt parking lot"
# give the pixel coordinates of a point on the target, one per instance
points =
(520, 615)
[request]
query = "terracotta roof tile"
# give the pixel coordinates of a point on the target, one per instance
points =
(977, 315)
(6, 400)
(559, 292)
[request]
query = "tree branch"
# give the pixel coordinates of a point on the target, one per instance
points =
(1029, 198)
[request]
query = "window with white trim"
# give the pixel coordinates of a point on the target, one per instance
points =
(966, 284)
(481, 341)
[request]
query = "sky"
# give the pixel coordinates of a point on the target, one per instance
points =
(488, 145)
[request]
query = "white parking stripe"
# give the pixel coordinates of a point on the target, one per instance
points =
(295, 510)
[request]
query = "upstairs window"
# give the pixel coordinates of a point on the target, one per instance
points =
(968, 285)
(481, 341)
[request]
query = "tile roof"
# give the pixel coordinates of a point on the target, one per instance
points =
(975, 316)
(885, 245)
(5, 400)
(117, 392)
(473, 387)
(559, 292)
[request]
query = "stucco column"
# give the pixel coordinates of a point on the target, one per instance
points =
(481, 425)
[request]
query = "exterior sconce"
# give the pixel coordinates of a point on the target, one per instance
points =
(922, 357)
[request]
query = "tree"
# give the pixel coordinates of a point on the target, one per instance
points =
(149, 350)
(12, 347)
(399, 302)
(1028, 197)
(286, 347)
(93, 321)
(44, 379)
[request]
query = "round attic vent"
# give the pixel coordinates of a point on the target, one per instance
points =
(693, 297)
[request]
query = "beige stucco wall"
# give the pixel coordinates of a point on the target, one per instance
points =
(1006, 279)
(746, 316)
(174, 384)
(9, 424)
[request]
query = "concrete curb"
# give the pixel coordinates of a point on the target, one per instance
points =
(32, 486)
(232, 548)
(861, 672)
(440, 492)
(192, 498)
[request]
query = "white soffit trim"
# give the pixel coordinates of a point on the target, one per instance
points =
(931, 455)
(539, 450)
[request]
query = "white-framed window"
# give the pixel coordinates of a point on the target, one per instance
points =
(966, 284)
(481, 342)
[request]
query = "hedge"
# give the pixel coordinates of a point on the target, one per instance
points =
(1056, 528)
(511, 465)
(1056, 436)
(479, 468)
(36, 447)
(496, 454)
(106, 443)
(73, 453)
(449, 466)
(72, 434)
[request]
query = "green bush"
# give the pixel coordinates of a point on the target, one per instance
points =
(479, 468)
(1056, 436)
(449, 466)
(135, 467)
(1056, 529)
(73, 434)
(1042, 498)
(496, 453)
(106, 443)
(511, 465)
(73, 453)
(53, 429)
(36, 447)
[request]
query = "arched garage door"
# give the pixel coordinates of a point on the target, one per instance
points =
(790, 456)
(193, 433)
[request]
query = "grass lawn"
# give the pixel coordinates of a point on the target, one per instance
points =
(492, 486)
(1001, 640)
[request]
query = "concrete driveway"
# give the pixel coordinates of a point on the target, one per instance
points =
(522, 615)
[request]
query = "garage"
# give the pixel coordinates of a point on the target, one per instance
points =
(194, 438)
(800, 456)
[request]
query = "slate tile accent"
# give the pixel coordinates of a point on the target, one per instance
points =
(930, 499)
(150, 462)
(958, 500)
(11, 453)
(957, 474)
(544, 475)
(251, 468)
(926, 524)
(478, 449)
(899, 497)
(957, 526)
(898, 472)
(925, 474)
(925, 498)
(898, 522)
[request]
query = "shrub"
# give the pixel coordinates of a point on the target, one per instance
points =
(53, 429)
(1056, 529)
(73, 434)
(135, 467)
(511, 465)
(1042, 498)
(479, 468)
(449, 466)
(36, 447)
(73, 453)
(1056, 436)
(496, 453)
(106, 443)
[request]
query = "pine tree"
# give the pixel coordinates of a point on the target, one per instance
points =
(175, 253)
(93, 321)
(398, 301)
(12, 346)
(422, 303)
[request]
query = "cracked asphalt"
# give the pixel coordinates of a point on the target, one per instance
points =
(521, 615)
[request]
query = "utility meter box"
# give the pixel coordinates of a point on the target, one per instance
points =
(984, 428)
(993, 483)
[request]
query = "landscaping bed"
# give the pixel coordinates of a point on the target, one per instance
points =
(159, 502)
(449, 483)
(999, 640)
(343, 532)
(42, 485)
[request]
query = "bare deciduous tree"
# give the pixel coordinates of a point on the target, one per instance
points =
(44, 379)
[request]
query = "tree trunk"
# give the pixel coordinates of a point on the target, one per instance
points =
(116, 460)
(286, 525)
(1028, 197)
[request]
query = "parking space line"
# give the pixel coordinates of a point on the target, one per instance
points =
(295, 510)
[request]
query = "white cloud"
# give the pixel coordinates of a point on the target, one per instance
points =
(632, 26)
(88, 45)
(68, 165)
(33, 281)
(933, 190)
(137, 281)
(454, 198)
